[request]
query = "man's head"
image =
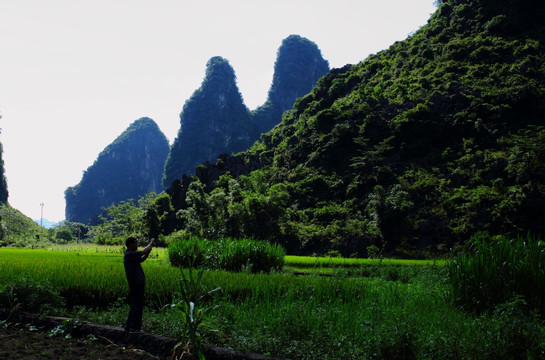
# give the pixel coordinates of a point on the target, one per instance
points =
(131, 243)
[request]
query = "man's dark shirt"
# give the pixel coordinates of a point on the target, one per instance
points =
(133, 269)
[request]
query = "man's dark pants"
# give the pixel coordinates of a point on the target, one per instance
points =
(134, 320)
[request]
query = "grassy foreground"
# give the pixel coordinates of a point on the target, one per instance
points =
(407, 316)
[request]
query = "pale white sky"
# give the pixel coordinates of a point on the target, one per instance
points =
(74, 74)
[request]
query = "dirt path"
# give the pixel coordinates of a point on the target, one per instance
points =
(22, 343)
(20, 340)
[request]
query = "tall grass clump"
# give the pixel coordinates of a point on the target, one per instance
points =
(227, 254)
(188, 252)
(256, 256)
(496, 270)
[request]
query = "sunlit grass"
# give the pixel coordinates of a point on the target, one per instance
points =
(157, 252)
(96, 277)
(310, 261)
(405, 310)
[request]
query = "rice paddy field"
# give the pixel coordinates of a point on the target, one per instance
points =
(363, 309)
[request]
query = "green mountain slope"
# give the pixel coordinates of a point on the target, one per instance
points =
(421, 145)
(17, 229)
(299, 64)
(213, 121)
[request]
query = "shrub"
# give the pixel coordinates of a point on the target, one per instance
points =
(227, 254)
(495, 270)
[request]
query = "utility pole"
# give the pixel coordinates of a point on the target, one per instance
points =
(42, 214)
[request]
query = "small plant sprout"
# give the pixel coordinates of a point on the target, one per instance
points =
(192, 307)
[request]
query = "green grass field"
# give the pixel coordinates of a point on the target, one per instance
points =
(337, 265)
(393, 312)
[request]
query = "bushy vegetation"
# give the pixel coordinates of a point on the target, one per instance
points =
(226, 254)
(497, 270)
(18, 230)
(130, 218)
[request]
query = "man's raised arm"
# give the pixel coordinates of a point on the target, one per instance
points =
(147, 250)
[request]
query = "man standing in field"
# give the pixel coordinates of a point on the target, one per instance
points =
(137, 281)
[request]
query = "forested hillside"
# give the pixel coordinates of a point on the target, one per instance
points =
(128, 168)
(419, 146)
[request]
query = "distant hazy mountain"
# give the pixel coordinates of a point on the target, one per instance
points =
(299, 64)
(45, 223)
(128, 168)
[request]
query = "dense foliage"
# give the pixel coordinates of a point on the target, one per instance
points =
(128, 168)
(419, 146)
(128, 218)
(299, 64)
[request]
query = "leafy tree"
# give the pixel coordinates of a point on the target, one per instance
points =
(78, 231)
(127, 218)
(64, 236)
(198, 214)
(389, 210)
(156, 208)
